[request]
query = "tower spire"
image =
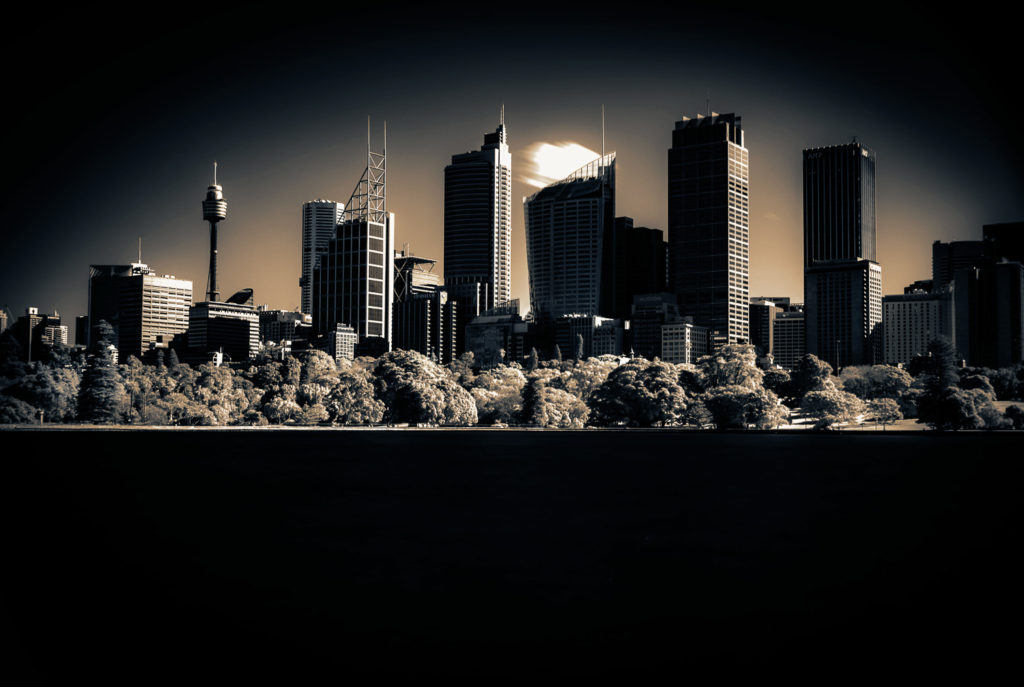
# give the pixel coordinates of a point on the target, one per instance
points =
(214, 172)
(502, 121)
(602, 130)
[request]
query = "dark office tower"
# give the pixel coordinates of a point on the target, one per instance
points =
(949, 257)
(478, 219)
(989, 314)
(839, 204)
(842, 279)
(215, 209)
(762, 324)
(638, 265)
(708, 223)
(354, 283)
(1005, 241)
(568, 232)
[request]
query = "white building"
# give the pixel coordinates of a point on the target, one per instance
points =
(683, 342)
(319, 220)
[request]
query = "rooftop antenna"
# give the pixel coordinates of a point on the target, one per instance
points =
(214, 172)
(140, 250)
(602, 130)
(502, 122)
(707, 102)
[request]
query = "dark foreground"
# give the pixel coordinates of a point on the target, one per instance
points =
(140, 556)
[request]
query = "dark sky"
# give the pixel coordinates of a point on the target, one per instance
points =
(113, 119)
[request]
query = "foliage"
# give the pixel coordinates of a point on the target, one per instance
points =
(875, 381)
(14, 411)
(831, 407)
(978, 382)
(810, 374)
(885, 411)
(639, 394)
(546, 406)
(953, 408)
(415, 389)
(778, 381)
(101, 395)
(1015, 415)
(498, 395)
(736, 406)
(730, 365)
(352, 401)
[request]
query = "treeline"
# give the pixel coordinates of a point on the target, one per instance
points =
(724, 390)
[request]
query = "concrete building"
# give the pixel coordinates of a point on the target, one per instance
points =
(340, 343)
(478, 220)
(320, 219)
(709, 223)
(601, 335)
(425, 314)
(842, 279)
(911, 320)
(230, 327)
(142, 306)
(989, 321)
(568, 242)
(683, 341)
(789, 337)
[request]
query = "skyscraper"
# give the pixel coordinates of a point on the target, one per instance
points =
(478, 218)
(709, 223)
(842, 279)
(639, 263)
(142, 306)
(320, 218)
(215, 209)
(354, 283)
(568, 242)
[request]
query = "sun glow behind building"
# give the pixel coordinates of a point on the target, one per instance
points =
(547, 163)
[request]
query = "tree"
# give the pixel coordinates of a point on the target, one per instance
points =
(101, 396)
(831, 407)
(736, 406)
(545, 406)
(415, 389)
(639, 394)
(730, 365)
(558, 354)
(579, 347)
(1015, 415)
(14, 411)
(810, 374)
(52, 391)
(953, 408)
(533, 361)
(352, 401)
(978, 382)
(498, 395)
(777, 381)
(885, 411)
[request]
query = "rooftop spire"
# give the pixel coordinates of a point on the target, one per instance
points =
(214, 172)
(502, 121)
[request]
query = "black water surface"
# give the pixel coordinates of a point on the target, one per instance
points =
(141, 555)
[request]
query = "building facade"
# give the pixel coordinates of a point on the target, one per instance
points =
(684, 342)
(789, 338)
(638, 265)
(141, 306)
(230, 327)
(842, 279)
(568, 242)
(762, 325)
(650, 312)
(478, 219)
(354, 283)
(709, 223)
(911, 320)
(320, 219)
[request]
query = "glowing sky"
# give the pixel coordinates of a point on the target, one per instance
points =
(114, 137)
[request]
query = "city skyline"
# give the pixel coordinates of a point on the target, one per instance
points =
(274, 157)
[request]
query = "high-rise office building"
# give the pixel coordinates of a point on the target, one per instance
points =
(142, 306)
(762, 324)
(789, 337)
(319, 221)
(948, 257)
(988, 307)
(709, 223)
(478, 219)
(842, 279)
(354, 284)
(569, 242)
(230, 327)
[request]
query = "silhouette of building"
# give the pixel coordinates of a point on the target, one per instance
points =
(918, 286)
(708, 223)
(142, 306)
(988, 315)
(911, 320)
(569, 242)
(948, 257)
(650, 312)
(478, 220)
(638, 265)
(35, 332)
(320, 219)
(354, 283)
(1006, 241)
(842, 280)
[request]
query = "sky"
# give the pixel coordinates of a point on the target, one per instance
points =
(110, 133)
